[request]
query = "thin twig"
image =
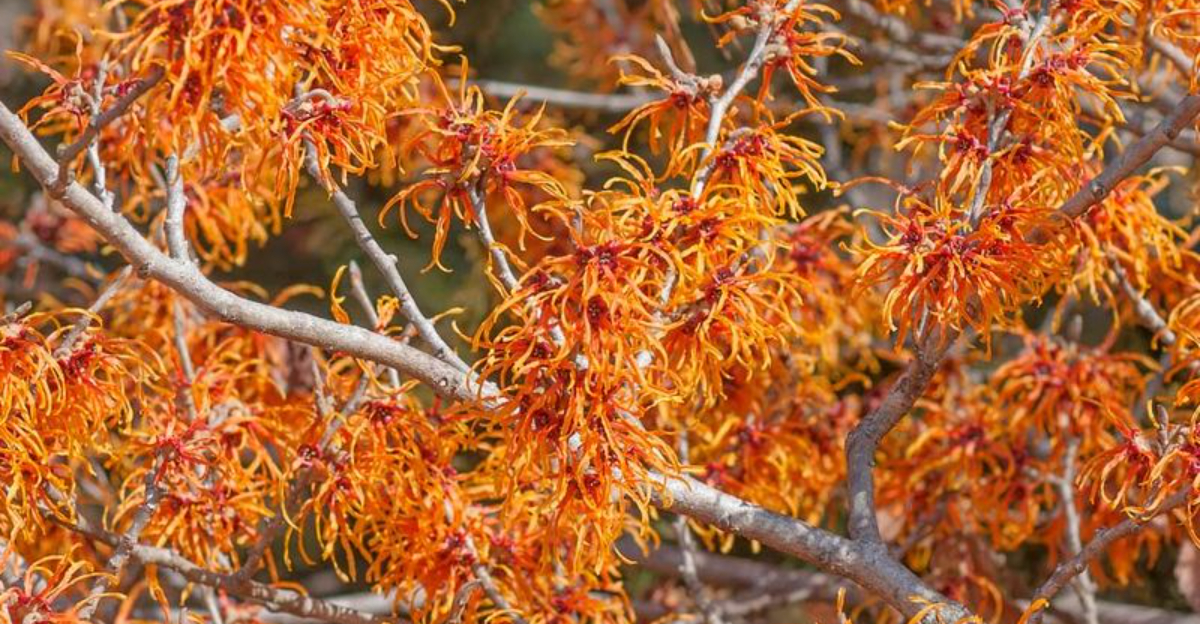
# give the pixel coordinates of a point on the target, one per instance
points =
(176, 207)
(359, 289)
(719, 105)
(128, 541)
(99, 175)
(67, 154)
(481, 572)
(273, 598)
(500, 261)
(16, 313)
(899, 31)
(687, 546)
(386, 263)
(1132, 158)
(85, 321)
(504, 270)
(864, 439)
(603, 102)
(998, 123)
(1143, 310)
(1065, 484)
(187, 401)
(34, 249)
(1069, 569)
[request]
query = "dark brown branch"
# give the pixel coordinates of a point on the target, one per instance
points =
(1076, 565)
(863, 441)
(1131, 159)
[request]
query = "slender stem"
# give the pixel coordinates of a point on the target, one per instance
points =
(898, 30)
(1069, 569)
(1145, 312)
(176, 207)
(296, 498)
(687, 547)
(85, 321)
(273, 598)
(34, 249)
(604, 102)
(1065, 484)
(386, 263)
(186, 279)
(97, 123)
(126, 542)
(719, 105)
(359, 289)
(998, 123)
(1131, 159)
(93, 151)
(499, 260)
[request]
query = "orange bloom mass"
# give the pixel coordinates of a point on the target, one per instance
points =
(605, 311)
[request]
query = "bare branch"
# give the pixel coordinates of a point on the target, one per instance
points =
(68, 342)
(34, 249)
(719, 105)
(766, 583)
(189, 281)
(359, 290)
(499, 259)
(1172, 53)
(128, 541)
(687, 564)
(603, 102)
(386, 263)
(1065, 484)
(176, 207)
(1145, 312)
(274, 598)
(897, 30)
(99, 174)
(1132, 158)
(998, 123)
(1076, 565)
(863, 441)
(869, 566)
(97, 123)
